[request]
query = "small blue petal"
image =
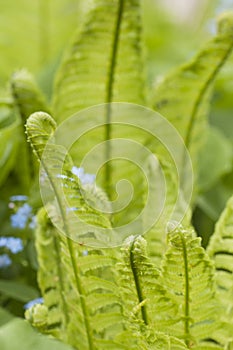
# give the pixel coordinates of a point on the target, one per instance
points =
(20, 219)
(18, 198)
(61, 176)
(15, 245)
(88, 179)
(77, 171)
(32, 224)
(33, 302)
(84, 178)
(4, 261)
(69, 209)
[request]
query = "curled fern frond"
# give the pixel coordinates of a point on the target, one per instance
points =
(188, 273)
(52, 278)
(148, 308)
(88, 308)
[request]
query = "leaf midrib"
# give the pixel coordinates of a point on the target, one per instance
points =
(109, 92)
(201, 95)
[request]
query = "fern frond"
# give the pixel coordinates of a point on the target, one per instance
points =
(27, 98)
(52, 277)
(26, 94)
(139, 281)
(220, 250)
(88, 312)
(183, 96)
(103, 63)
(156, 236)
(148, 308)
(10, 139)
(153, 340)
(188, 273)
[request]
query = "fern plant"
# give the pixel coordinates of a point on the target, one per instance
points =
(148, 304)
(176, 295)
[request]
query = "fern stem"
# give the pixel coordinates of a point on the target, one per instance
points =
(110, 94)
(73, 262)
(186, 305)
(137, 283)
(81, 294)
(61, 280)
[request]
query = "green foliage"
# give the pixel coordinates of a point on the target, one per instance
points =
(10, 137)
(183, 97)
(113, 73)
(18, 290)
(220, 250)
(26, 338)
(189, 274)
(176, 295)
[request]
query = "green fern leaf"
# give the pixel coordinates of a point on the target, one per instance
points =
(148, 307)
(156, 236)
(26, 94)
(51, 276)
(188, 273)
(10, 139)
(139, 281)
(183, 96)
(103, 63)
(220, 249)
(88, 312)
(28, 99)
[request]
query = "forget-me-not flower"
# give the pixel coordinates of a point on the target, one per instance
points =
(33, 302)
(22, 216)
(15, 245)
(4, 261)
(84, 178)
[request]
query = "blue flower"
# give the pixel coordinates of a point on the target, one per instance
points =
(84, 178)
(20, 219)
(18, 198)
(33, 302)
(69, 209)
(15, 245)
(4, 261)
(32, 224)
